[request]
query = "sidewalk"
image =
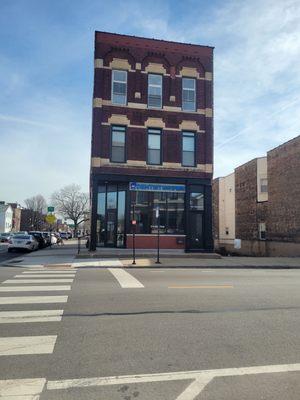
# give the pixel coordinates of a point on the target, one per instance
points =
(223, 262)
(67, 256)
(54, 256)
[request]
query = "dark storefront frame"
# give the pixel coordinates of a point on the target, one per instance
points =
(191, 184)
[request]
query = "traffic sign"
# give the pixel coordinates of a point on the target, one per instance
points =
(50, 219)
(50, 209)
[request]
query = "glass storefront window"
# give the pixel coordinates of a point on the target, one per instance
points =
(175, 216)
(121, 219)
(171, 212)
(101, 216)
(197, 201)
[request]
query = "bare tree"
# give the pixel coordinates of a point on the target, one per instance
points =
(37, 205)
(72, 204)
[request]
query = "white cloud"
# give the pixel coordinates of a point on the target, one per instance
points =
(45, 98)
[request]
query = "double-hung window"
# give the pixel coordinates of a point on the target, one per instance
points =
(154, 146)
(154, 91)
(119, 87)
(264, 185)
(118, 144)
(188, 149)
(189, 94)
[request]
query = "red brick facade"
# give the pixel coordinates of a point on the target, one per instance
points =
(173, 56)
(248, 211)
(140, 57)
(284, 192)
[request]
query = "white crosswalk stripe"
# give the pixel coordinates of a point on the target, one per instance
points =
(47, 271)
(33, 299)
(10, 346)
(34, 288)
(12, 317)
(45, 276)
(47, 280)
(33, 280)
(125, 279)
(21, 389)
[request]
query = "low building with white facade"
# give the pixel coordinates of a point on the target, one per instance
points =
(6, 218)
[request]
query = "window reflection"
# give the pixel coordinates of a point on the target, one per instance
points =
(197, 201)
(171, 212)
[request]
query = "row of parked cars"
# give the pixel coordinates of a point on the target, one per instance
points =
(32, 240)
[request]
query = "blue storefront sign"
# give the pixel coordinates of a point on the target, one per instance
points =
(156, 187)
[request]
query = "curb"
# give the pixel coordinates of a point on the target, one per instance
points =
(192, 267)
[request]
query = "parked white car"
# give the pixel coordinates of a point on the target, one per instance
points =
(23, 242)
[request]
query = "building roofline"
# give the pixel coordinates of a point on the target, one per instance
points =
(158, 40)
(284, 144)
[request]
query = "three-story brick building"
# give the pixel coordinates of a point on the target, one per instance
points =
(152, 143)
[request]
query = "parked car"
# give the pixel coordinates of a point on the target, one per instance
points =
(23, 242)
(47, 238)
(40, 238)
(69, 234)
(4, 237)
(64, 235)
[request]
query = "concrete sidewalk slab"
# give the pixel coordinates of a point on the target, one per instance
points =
(224, 262)
(54, 256)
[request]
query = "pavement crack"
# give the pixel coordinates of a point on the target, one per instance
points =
(154, 312)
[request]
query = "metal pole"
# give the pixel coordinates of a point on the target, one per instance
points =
(78, 243)
(158, 226)
(133, 234)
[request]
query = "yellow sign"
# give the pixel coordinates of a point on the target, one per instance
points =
(50, 219)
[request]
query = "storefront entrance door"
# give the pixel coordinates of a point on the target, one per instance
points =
(195, 229)
(111, 216)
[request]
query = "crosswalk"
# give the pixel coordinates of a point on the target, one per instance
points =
(12, 302)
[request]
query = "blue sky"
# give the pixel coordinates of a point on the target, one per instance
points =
(46, 71)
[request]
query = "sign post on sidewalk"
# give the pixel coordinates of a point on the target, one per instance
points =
(133, 222)
(158, 226)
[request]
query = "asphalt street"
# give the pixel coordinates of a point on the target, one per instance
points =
(4, 255)
(177, 334)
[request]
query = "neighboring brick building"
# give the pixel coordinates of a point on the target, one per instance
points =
(152, 143)
(32, 220)
(250, 207)
(283, 225)
(267, 205)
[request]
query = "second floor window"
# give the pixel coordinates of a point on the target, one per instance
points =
(188, 149)
(119, 87)
(264, 185)
(154, 146)
(118, 144)
(154, 91)
(189, 94)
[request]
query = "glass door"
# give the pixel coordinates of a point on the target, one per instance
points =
(111, 216)
(196, 218)
(196, 230)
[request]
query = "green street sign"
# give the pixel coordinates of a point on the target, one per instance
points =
(50, 209)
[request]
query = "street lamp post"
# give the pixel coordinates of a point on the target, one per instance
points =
(158, 226)
(133, 222)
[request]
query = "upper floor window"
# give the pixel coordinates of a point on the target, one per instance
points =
(188, 94)
(154, 91)
(119, 87)
(118, 144)
(188, 149)
(154, 146)
(264, 185)
(262, 230)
